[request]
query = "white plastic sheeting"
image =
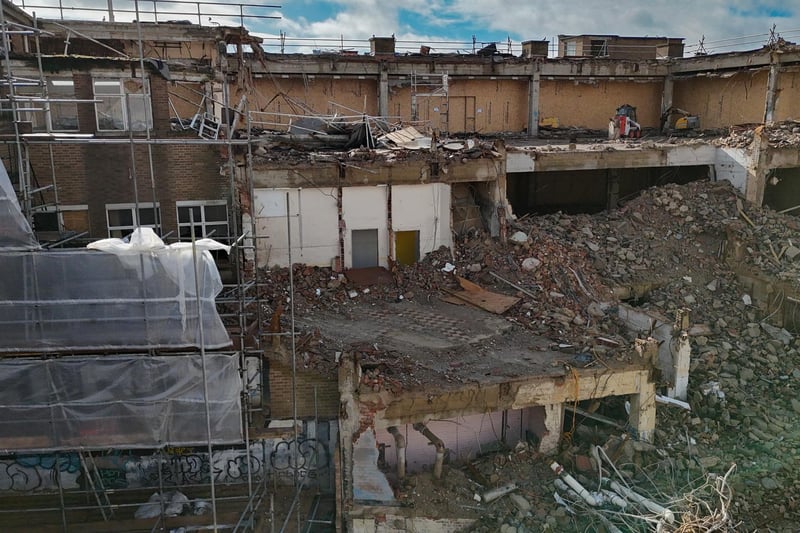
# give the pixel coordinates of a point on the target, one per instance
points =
(75, 300)
(135, 401)
(15, 232)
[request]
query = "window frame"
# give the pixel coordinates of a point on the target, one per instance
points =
(203, 222)
(131, 207)
(124, 98)
(42, 119)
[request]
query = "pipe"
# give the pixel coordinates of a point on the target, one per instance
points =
(438, 443)
(663, 512)
(400, 448)
(575, 485)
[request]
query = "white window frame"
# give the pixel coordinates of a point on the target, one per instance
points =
(42, 119)
(124, 98)
(128, 229)
(203, 222)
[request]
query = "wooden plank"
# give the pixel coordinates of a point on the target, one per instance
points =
(486, 300)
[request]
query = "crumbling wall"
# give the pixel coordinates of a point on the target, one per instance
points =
(589, 103)
(465, 437)
(786, 105)
(307, 385)
(723, 101)
(319, 93)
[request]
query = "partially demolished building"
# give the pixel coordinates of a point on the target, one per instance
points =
(392, 307)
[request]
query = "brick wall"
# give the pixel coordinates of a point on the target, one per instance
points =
(280, 392)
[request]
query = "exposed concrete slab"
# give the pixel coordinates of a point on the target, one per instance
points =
(409, 327)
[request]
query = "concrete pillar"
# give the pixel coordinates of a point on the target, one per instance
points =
(757, 169)
(772, 89)
(553, 426)
(612, 189)
(383, 92)
(681, 358)
(643, 408)
(349, 425)
(666, 99)
(533, 100)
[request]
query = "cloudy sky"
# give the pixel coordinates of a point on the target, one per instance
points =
(449, 25)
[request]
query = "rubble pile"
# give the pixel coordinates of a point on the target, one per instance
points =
(672, 247)
(783, 134)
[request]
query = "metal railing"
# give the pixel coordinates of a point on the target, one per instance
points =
(226, 13)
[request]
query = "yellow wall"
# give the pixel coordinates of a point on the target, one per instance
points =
(590, 105)
(722, 102)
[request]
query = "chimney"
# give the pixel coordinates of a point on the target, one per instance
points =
(382, 46)
(534, 49)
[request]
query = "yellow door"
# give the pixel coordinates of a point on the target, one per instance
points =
(406, 247)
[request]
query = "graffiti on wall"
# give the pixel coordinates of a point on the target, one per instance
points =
(118, 469)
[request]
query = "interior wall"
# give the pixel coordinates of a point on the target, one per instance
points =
(316, 92)
(423, 208)
(487, 106)
(722, 102)
(314, 221)
(465, 437)
(591, 104)
(786, 106)
(365, 208)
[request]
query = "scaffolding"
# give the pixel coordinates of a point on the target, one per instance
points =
(100, 473)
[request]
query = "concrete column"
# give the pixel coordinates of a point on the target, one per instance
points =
(533, 101)
(757, 168)
(349, 424)
(772, 89)
(383, 92)
(612, 189)
(666, 99)
(553, 426)
(643, 409)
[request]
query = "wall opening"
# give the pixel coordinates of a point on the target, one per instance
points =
(590, 191)
(406, 247)
(782, 190)
(365, 248)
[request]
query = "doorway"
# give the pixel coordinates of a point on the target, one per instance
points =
(365, 248)
(406, 246)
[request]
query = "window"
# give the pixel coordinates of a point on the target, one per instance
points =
(572, 48)
(63, 116)
(210, 219)
(122, 218)
(599, 47)
(122, 101)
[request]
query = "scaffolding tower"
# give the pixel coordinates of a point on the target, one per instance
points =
(76, 485)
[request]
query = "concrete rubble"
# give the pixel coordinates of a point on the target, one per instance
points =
(696, 247)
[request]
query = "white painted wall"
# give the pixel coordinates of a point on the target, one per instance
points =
(731, 164)
(425, 208)
(314, 220)
(365, 208)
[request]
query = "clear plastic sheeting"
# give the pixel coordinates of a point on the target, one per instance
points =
(134, 401)
(76, 300)
(15, 232)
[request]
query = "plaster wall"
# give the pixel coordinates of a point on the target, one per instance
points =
(590, 103)
(425, 208)
(723, 101)
(365, 208)
(313, 218)
(786, 105)
(345, 95)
